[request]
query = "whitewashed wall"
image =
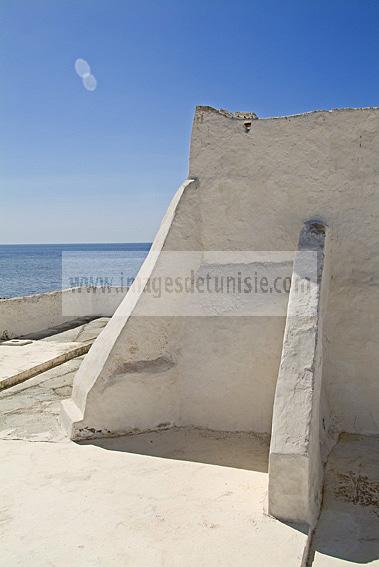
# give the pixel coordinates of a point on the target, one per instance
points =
(255, 186)
(32, 313)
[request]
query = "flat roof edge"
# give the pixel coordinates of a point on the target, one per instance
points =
(251, 115)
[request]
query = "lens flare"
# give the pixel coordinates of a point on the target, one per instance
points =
(89, 82)
(82, 68)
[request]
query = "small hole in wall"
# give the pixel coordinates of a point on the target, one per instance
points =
(318, 227)
(247, 125)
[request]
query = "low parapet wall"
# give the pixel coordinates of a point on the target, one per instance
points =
(33, 313)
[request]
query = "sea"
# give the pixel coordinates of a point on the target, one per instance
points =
(27, 269)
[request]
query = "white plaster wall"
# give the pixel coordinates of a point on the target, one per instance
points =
(150, 372)
(226, 367)
(32, 313)
(227, 372)
(255, 191)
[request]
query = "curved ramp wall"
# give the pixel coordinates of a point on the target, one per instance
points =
(256, 183)
(128, 381)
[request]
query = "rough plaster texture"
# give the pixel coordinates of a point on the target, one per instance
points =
(295, 452)
(257, 188)
(30, 410)
(254, 188)
(32, 313)
(156, 372)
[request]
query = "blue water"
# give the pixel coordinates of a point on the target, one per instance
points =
(38, 268)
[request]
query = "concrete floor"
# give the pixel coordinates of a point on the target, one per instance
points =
(173, 498)
(348, 529)
(86, 505)
(30, 410)
(170, 498)
(33, 354)
(237, 450)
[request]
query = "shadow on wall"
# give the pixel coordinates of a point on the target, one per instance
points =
(238, 449)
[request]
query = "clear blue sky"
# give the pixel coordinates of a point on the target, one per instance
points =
(101, 166)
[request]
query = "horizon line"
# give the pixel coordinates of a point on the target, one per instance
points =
(66, 243)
